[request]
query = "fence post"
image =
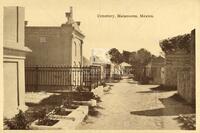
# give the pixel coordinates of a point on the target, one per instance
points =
(81, 81)
(37, 77)
(99, 75)
(90, 78)
(96, 73)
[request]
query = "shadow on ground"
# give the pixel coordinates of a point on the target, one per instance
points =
(114, 81)
(131, 81)
(159, 88)
(51, 100)
(57, 98)
(45, 105)
(49, 103)
(94, 112)
(163, 88)
(174, 105)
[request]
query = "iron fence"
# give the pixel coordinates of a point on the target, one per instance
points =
(61, 77)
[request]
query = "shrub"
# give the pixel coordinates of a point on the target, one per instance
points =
(104, 84)
(80, 88)
(18, 122)
(188, 121)
(42, 114)
(145, 80)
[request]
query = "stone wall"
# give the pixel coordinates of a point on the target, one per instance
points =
(175, 62)
(186, 78)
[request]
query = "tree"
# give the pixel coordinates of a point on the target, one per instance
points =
(126, 56)
(115, 56)
(139, 60)
(132, 58)
(143, 57)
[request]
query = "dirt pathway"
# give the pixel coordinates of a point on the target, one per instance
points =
(132, 106)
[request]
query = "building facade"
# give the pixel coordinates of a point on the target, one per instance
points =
(60, 45)
(155, 71)
(14, 53)
(126, 69)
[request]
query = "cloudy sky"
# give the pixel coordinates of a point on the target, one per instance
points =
(171, 17)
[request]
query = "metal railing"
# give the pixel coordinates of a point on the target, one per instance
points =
(61, 77)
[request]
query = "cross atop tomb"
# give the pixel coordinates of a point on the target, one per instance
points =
(69, 16)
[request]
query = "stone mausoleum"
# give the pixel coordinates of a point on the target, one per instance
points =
(55, 45)
(14, 53)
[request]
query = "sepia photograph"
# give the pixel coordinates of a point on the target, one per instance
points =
(99, 65)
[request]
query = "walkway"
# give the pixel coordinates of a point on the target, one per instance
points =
(132, 106)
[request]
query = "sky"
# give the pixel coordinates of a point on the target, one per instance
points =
(171, 18)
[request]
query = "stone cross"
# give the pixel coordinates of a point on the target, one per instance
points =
(69, 16)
